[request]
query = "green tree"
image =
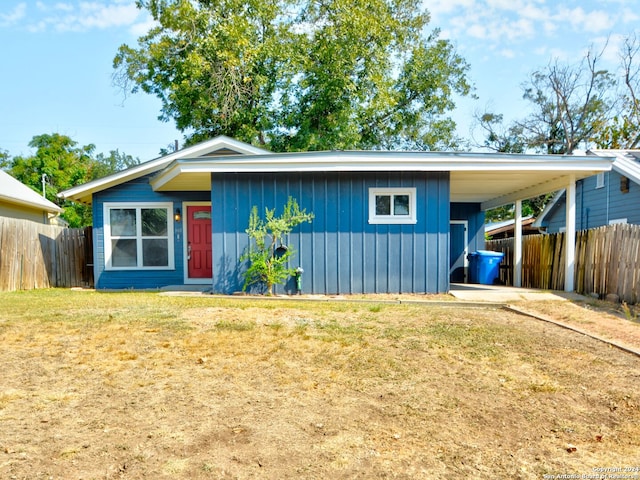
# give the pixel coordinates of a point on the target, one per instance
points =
(267, 263)
(62, 164)
(5, 160)
(571, 104)
(499, 138)
(623, 131)
(298, 75)
(114, 162)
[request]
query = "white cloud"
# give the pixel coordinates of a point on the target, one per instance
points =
(60, 6)
(439, 7)
(67, 7)
(14, 16)
(609, 46)
(507, 53)
(629, 16)
(560, 55)
(68, 16)
(594, 21)
(90, 15)
(500, 21)
(142, 27)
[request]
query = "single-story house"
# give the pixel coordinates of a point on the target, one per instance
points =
(602, 199)
(506, 228)
(19, 201)
(385, 221)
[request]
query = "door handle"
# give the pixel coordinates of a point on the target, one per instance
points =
(189, 251)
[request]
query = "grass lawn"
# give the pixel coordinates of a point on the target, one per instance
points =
(138, 385)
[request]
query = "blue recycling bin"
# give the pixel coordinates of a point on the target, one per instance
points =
(484, 266)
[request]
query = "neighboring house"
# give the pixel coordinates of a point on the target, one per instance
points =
(19, 201)
(384, 221)
(506, 228)
(602, 199)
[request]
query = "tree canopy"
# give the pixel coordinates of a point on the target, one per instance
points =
(64, 164)
(296, 75)
(574, 105)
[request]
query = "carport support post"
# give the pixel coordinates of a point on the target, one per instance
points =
(517, 246)
(570, 236)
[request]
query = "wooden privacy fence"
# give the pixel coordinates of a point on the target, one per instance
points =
(607, 261)
(33, 255)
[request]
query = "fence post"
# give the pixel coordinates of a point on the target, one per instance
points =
(517, 245)
(570, 237)
(34, 255)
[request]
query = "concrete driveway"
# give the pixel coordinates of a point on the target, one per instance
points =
(499, 293)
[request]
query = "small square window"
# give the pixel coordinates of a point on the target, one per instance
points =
(392, 205)
(600, 180)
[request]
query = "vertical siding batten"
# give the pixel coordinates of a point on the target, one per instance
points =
(339, 251)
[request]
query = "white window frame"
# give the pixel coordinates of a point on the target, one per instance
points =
(600, 180)
(618, 221)
(108, 206)
(392, 219)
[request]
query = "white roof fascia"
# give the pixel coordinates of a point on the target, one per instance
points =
(628, 167)
(15, 192)
(371, 161)
(548, 208)
(159, 163)
(389, 161)
(624, 163)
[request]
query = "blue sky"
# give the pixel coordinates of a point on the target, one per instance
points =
(56, 63)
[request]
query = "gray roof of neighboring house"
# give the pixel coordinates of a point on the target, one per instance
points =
(504, 223)
(626, 163)
(16, 193)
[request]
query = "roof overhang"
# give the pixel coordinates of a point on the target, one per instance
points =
(16, 193)
(42, 206)
(626, 162)
(84, 193)
(489, 179)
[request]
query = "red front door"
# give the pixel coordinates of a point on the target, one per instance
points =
(199, 241)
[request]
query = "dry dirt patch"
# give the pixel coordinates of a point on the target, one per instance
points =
(603, 319)
(135, 385)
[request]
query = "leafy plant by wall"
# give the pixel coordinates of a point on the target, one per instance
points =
(267, 255)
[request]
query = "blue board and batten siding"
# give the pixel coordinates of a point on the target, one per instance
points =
(596, 207)
(137, 191)
(472, 213)
(339, 251)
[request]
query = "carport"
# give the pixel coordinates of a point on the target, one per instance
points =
(500, 179)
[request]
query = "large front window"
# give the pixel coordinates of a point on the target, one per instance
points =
(138, 236)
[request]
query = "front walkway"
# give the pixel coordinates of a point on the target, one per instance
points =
(501, 294)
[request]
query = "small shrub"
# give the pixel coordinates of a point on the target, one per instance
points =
(266, 267)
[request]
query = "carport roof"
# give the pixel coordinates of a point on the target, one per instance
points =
(491, 179)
